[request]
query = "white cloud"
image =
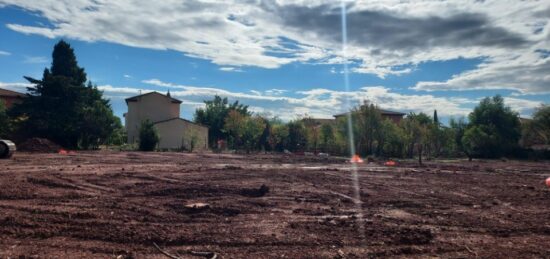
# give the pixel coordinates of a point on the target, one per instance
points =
(323, 103)
(35, 60)
(127, 76)
(318, 102)
(4, 53)
(230, 69)
(398, 36)
(18, 87)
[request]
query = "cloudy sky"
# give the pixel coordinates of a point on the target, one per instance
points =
(284, 58)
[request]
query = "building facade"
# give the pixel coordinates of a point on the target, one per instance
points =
(10, 97)
(163, 111)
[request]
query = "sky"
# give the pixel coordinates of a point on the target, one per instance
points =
(285, 58)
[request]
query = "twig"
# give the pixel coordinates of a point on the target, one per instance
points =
(166, 253)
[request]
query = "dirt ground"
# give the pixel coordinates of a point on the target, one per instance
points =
(119, 204)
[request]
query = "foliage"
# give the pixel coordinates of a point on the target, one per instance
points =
(537, 130)
(416, 133)
(4, 121)
(62, 108)
(312, 132)
(327, 137)
(297, 138)
(244, 131)
(458, 128)
(368, 129)
(214, 115)
(278, 139)
(393, 139)
(148, 136)
(494, 129)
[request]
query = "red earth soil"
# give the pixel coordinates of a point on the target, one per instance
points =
(120, 204)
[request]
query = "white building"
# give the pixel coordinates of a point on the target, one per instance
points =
(164, 111)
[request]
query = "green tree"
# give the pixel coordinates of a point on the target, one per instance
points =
(537, 130)
(297, 138)
(62, 108)
(416, 131)
(393, 142)
(214, 114)
(327, 137)
(244, 131)
(367, 128)
(278, 139)
(252, 133)
(312, 131)
(494, 129)
(4, 121)
(148, 136)
(234, 127)
(458, 128)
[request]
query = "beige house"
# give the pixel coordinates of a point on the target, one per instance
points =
(164, 111)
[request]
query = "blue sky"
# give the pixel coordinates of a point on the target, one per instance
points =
(284, 58)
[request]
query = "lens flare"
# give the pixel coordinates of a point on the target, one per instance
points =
(354, 174)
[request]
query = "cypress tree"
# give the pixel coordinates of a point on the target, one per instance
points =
(62, 108)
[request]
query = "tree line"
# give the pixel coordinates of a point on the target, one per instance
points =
(491, 130)
(65, 107)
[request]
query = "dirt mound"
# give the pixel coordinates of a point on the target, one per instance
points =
(39, 145)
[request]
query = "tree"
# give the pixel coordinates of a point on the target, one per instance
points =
(252, 133)
(416, 130)
(312, 129)
(214, 114)
(494, 129)
(327, 137)
(278, 139)
(367, 122)
(393, 139)
(436, 119)
(148, 136)
(4, 121)
(234, 127)
(537, 130)
(458, 127)
(297, 138)
(244, 131)
(62, 108)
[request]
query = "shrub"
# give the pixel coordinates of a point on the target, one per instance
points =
(148, 136)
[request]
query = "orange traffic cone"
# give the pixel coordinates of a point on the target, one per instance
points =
(356, 159)
(390, 163)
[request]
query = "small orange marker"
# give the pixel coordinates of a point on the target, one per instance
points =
(63, 152)
(390, 163)
(356, 159)
(548, 181)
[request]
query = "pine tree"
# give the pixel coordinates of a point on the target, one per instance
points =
(62, 108)
(436, 120)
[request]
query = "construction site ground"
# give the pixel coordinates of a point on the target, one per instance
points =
(124, 204)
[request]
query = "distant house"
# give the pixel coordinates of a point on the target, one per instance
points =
(164, 111)
(10, 97)
(396, 117)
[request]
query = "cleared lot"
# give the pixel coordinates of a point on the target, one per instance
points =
(103, 204)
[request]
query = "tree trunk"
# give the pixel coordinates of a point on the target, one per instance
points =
(420, 154)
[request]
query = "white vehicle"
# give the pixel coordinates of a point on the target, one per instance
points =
(7, 148)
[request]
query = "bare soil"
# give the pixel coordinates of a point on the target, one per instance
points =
(119, 204)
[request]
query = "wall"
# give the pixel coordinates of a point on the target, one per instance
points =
(178, 134)
(154, 107)
(9, 101)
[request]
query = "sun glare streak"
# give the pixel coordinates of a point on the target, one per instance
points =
(354, 174)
